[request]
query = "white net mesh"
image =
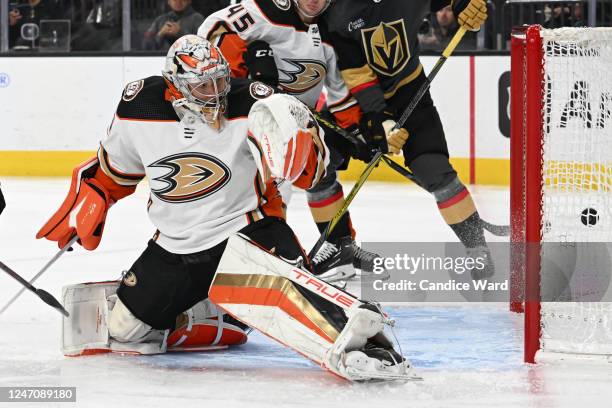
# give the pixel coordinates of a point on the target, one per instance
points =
(577, 198)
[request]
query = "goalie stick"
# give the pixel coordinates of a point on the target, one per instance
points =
(378, 156)
(43, 270)
(43, 295)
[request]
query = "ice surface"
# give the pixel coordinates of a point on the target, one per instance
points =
(469, 354)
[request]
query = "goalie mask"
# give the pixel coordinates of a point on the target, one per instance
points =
(198, 77)
(312, 8)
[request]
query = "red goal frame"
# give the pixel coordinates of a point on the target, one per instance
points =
(526, 162)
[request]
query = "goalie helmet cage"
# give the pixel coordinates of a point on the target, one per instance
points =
(561, 184)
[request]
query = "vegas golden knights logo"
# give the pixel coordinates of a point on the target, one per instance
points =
(192, 176)
(386, 47)
(306, 75)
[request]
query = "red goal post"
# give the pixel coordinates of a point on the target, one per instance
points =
(561, 189)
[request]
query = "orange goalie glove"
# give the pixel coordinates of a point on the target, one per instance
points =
(82, 213)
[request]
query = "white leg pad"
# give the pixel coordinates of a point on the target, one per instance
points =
(87, 330)
(259, 289)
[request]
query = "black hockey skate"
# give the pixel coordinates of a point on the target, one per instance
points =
(345, 256)
(484, 254)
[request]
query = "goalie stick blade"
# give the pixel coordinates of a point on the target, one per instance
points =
(51, 301)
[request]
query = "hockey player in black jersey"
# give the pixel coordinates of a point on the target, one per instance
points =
(378, 56)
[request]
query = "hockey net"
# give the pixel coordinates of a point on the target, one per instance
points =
(561, 190)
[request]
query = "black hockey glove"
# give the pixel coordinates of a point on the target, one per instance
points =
(373, 131)
(359, 149)
(259, 59)
(352, 144)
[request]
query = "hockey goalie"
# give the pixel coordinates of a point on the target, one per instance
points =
(223, 258)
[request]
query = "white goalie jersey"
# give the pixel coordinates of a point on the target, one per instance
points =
(204, 184)
(305, 60)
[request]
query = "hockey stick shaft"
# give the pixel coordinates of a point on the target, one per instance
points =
(378, 156)
(351, 138)
(43, 270)
(497, 230)
(450, 48)
(347, 201)
(43, 295)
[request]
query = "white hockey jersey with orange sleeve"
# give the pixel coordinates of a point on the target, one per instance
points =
(305, 59)
(204, 183)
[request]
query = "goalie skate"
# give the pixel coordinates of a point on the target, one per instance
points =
(360, 366)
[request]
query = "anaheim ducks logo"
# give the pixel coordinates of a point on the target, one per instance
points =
(132, 89)
(283, 4)
(386, 47)
(259, 90)
(130, 279)
(192, 176)
(307, 75)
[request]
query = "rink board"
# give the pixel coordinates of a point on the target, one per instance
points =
(47, 138)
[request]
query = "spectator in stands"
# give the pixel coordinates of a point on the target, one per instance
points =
(439, 28)
(167, 28)
(96, 25)
(14, 18)
(207, 7)
(578, 19)
(24, 20)
(560, 16)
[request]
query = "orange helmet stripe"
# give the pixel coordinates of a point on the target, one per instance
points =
(192, 62)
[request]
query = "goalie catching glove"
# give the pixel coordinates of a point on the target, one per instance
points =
(82, 213)
(285, 140)
(470, 14)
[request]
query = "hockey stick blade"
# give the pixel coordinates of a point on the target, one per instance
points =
(43, 295)
(43, 270)
(51, 301)
(497, 230)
